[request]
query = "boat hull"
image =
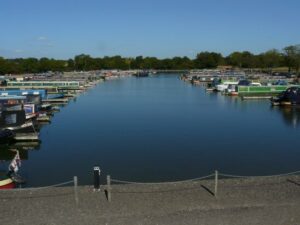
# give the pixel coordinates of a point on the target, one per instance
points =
(26, 127)
(7, 184)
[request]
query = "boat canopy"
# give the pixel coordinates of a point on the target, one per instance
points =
(244, 83)
(292, 94)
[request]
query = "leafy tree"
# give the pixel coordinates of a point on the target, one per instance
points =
(235, 59)
(292, 57)
(270, 59)
(3, 66)
(45, 65)
(208, 60)
(30, 65)
(70, 65)
(81, 62)
(137, 63)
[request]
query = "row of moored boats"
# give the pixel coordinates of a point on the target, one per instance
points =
(25, 106)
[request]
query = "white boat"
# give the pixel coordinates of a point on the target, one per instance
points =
(30, 116)
(231, 88)
(255, 84)
(224, 85)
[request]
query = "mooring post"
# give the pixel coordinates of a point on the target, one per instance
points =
(216, 182)
(97, 178)
(76, 189)
(108, 188)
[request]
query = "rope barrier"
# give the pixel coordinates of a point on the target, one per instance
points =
(156, 183)
(204, 177)
(276, 175)
(39, 188)
(167, 182)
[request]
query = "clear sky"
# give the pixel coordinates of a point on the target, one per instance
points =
(161, 28)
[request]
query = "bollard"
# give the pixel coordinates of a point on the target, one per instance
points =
(97, 178)
(108, 188)
(216, 183)
(76, 189)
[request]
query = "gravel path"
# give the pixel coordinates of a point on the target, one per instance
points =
(266, 201)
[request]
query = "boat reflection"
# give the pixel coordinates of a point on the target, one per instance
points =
(290, 115)
(7, 150)
(9, 154)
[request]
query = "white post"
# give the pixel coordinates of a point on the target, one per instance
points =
(75, 189)
(216, 183)
(108, 188)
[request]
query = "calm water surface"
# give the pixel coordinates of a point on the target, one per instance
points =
(161, 128)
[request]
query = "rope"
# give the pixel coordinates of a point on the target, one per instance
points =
(38, 188)
(277, 175)
(167, 182)
(204, 177)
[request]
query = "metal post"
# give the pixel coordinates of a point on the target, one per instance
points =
(216, 183)
(97, 178)
(108, 188)
(76, 189)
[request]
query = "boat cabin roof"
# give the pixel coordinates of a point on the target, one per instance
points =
(14, 97)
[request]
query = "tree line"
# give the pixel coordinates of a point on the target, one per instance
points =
(288, 57)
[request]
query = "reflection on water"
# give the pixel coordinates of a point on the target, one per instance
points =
(290, 115)
(7, 152)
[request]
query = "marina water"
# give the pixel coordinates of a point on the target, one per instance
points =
(160, 128)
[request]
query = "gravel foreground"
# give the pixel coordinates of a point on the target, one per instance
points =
(265, 201)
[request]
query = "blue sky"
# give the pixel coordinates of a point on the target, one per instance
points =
(161, 28)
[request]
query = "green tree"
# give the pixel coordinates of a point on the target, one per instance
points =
(270, 59)
(81, 62)
(137, 63)
(45, 65)
(70, 65)
(208, 60)
(242, 59)
(292, 57)
(30, 65)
